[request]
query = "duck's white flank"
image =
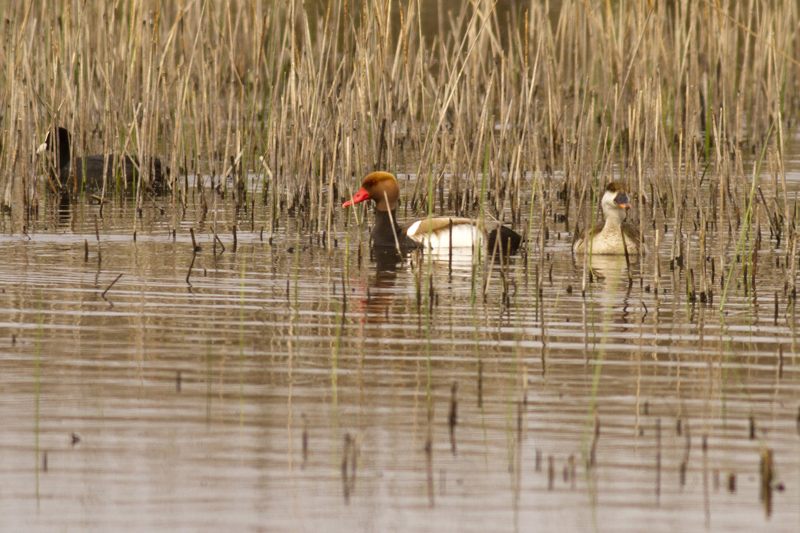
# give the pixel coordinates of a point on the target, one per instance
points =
(463, 235)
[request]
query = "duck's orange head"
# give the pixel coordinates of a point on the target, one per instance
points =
(380, 187)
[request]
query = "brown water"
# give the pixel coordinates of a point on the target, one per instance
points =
(235, 401)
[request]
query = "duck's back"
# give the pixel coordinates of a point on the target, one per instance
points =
(90, 170)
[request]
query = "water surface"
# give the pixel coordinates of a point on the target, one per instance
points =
(291, 386)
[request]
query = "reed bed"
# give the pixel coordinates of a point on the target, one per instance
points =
(504, 110)
(515, 111)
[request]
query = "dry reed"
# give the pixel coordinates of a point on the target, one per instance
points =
(482, 111)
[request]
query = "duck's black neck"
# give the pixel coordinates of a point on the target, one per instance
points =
(385, 229)
(62, 147)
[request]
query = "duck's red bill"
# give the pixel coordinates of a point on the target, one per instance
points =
(359, 197)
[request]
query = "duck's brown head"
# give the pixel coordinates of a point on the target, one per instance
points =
(616, 195)
(380, 187)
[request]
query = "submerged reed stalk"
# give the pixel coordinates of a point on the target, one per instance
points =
(305, 440)
(452, 418)
(767, 475)
(658, 460)
(103, 295)
(346, 482)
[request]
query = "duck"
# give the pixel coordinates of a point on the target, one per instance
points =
(612, 235)
(440, 234)
(91, 167)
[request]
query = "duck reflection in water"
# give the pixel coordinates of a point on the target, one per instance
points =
(376, 305)
(610, 274)
(609, 269)
(410, 267)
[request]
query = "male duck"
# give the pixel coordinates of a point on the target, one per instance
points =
(441, 233)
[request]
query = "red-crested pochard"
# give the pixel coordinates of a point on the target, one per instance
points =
(612, 235)
(440, 232)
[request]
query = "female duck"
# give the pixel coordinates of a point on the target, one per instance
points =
(613, 235)
(441, 233)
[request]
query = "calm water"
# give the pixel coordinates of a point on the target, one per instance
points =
(237, 400)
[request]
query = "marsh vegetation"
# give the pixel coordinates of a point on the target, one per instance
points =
(228, 335)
